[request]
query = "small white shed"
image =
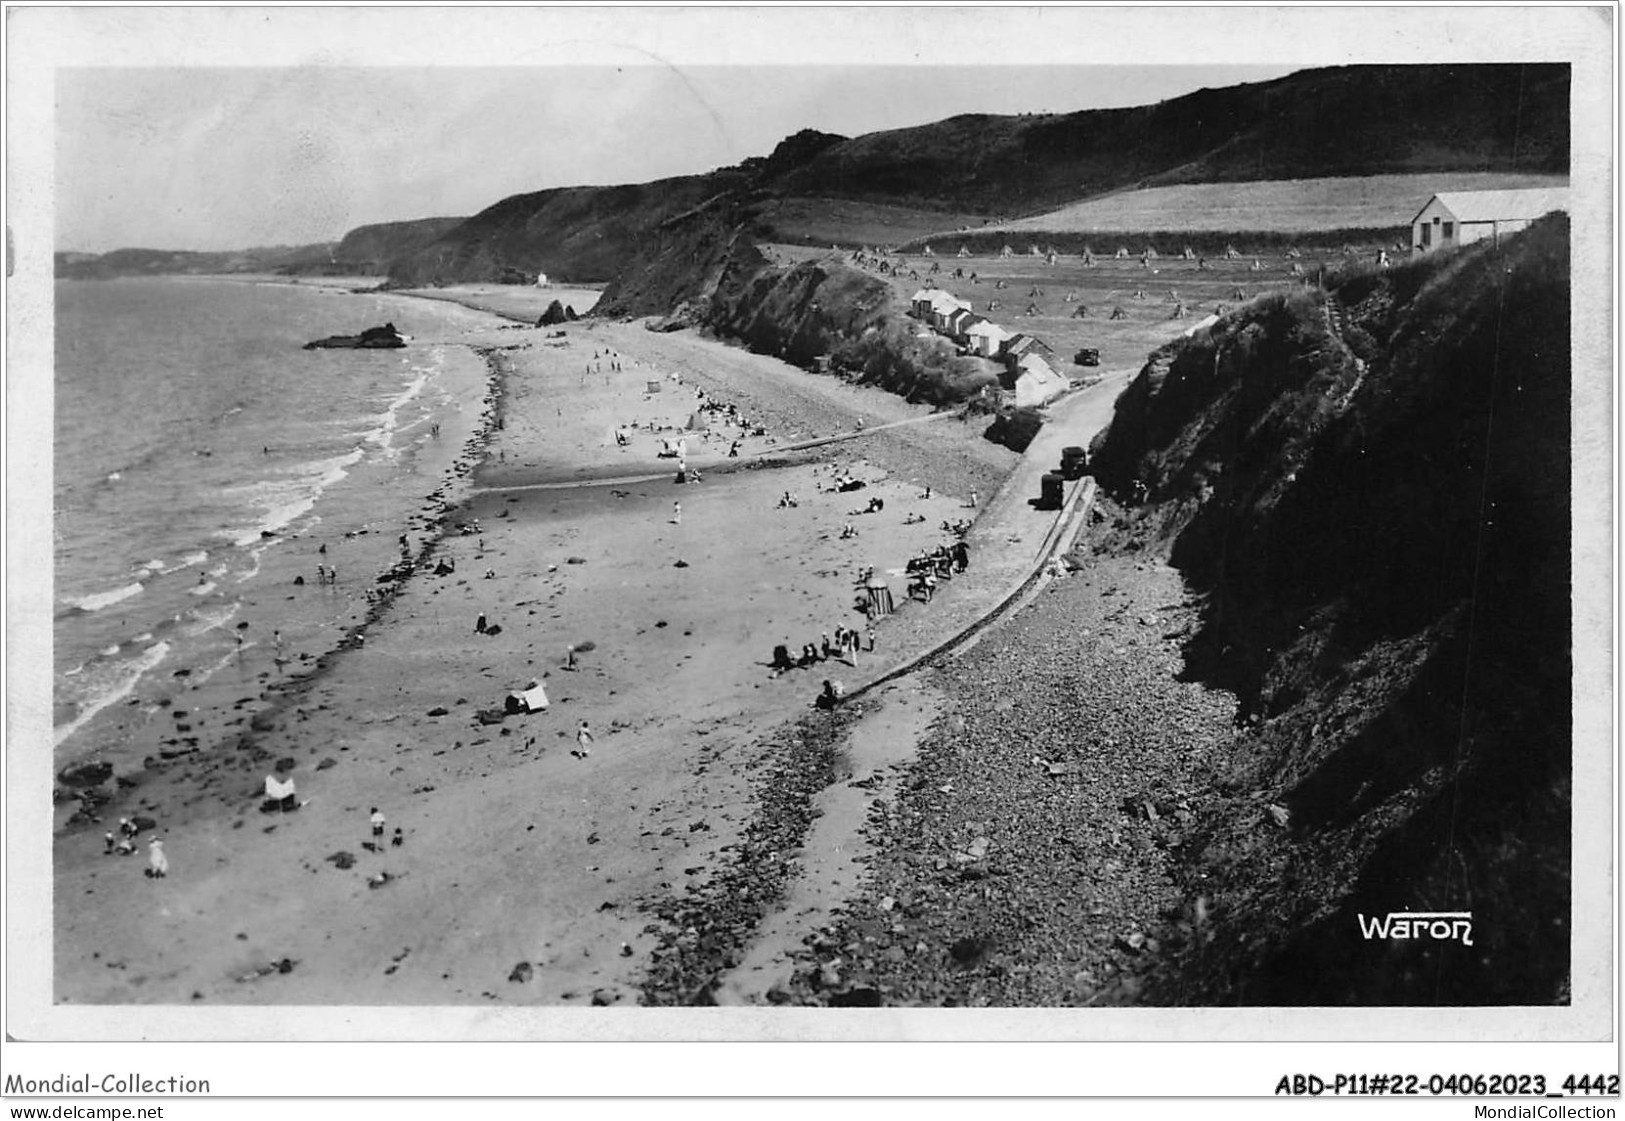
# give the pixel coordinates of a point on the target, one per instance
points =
(1037, 382)
(986, 338)
(1462, 217)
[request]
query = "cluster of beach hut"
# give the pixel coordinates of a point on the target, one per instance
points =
(1027, 370)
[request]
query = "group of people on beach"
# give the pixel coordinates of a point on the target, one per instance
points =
(845, 645)
(123, 844)
(941, 563)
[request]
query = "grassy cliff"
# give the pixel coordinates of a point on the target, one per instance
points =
(1370, 487)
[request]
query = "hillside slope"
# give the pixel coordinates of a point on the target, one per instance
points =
(576, 234)
(1359, 120)
(1370, 487)
(370, 250)
(169, 262)
(1355, 120)
(705, 269)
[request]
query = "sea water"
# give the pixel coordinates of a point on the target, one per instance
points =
(203, 459)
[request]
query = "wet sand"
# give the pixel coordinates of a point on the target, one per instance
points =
(514, 850)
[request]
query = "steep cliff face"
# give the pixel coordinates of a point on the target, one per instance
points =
(1370, 485)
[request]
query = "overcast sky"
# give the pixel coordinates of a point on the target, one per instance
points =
(229, 126)
(215, 158)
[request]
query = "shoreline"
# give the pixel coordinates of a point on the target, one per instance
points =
(250, 575)
(452, 488)
(495, 814)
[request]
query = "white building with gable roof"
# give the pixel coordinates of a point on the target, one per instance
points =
(1453, 218)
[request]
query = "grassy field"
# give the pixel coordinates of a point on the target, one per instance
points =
(1285, 206)
(824, 222)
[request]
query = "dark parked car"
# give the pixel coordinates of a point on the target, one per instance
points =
(1088, 356)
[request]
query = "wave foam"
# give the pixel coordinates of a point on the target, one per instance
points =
(107, 599)
(283, 501)
(109, 687)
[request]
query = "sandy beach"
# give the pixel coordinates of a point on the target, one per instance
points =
(522, 867)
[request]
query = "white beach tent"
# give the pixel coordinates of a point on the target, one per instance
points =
(532, 698)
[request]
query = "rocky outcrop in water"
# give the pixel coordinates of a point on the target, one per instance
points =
(373, 338)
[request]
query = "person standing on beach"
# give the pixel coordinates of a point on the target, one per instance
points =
(377, 820)
(159, 863)
(583, 741)
(676, 513)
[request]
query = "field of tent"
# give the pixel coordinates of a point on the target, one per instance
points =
(1124, 308)
(1284, 206)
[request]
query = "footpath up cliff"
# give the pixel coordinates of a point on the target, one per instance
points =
(1369, 485)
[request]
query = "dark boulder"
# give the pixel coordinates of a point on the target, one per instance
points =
(85, 774)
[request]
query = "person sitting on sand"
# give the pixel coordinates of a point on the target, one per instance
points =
(398, 839)
(832, 694)
(158, 863)
(781, 663)
(377, 820)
